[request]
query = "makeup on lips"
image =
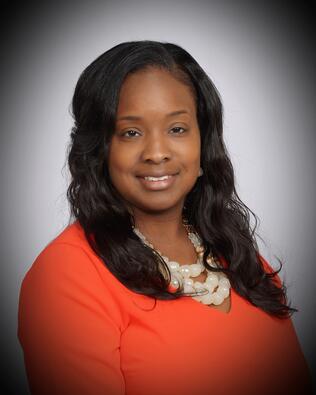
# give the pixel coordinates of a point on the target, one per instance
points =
(157, 183)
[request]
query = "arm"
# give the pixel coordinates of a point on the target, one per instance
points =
(69, 327)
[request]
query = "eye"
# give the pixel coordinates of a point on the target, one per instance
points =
(133, 133)
(129, 133)
(177, 128)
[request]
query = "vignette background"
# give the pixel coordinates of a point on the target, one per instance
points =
(261, 59)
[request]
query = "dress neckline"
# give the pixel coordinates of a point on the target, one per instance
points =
(209, 309)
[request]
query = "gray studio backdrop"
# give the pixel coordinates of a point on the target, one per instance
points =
(260, 59)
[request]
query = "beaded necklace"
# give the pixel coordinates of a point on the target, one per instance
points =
(217, 284)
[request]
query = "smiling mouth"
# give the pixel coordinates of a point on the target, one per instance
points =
(162, 178)
(157, 183)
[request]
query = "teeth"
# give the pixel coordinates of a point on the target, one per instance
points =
(157, 178)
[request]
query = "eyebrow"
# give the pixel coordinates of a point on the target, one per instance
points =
(137, 118)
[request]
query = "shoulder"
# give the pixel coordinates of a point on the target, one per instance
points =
(73, 234)
(69, 250)
(67, 279)
(68, 263)
(267, 267)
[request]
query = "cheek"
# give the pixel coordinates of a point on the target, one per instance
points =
(121, 162)
(119, 159)
(192, 155)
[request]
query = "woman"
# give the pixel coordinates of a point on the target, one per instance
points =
(156, 286)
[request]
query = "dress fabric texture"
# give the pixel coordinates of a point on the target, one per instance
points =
(83, 332)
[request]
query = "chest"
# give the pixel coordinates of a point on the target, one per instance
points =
(186, 254)
(199, 350)
(225, 306)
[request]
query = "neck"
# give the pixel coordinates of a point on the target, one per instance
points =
(162, 229)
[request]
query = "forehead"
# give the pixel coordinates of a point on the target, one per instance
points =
(156, 89)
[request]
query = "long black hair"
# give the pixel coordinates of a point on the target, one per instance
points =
(212, 207)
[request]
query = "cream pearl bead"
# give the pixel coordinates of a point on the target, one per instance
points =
(217, 298)
(195, 270)
(212, 279)
(188, 282)
(173, 266)
(175, 282)
(211, 261)
(188, 289)
(185, 271)
(207, 299)
(224, 282)
(223, 290)
(210, 287)
(180, 274)
(198, 285)
(194, 238)
(199, 249)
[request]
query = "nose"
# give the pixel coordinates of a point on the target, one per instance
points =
(156, 148)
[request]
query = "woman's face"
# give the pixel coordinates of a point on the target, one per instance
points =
(150, 141)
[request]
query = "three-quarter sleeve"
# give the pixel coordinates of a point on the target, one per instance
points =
(69, 326)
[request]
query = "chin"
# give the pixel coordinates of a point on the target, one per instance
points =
(159, 207)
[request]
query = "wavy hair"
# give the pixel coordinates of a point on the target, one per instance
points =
(212, 207)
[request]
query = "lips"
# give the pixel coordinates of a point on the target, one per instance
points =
(151, 183)
(150, 178)
(158, 174)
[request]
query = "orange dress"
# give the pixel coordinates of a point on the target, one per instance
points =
(84, 333)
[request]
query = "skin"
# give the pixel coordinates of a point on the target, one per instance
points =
(157, 142)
